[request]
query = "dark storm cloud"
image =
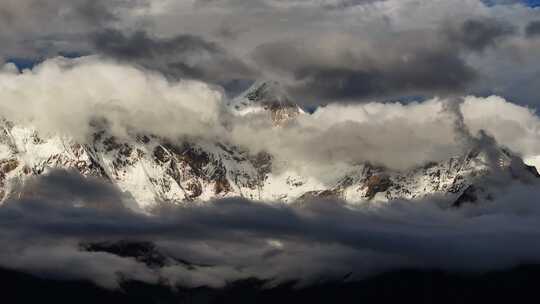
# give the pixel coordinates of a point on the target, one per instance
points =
(400, 64)
(333, 4)
(91, 12)
(533, 29)
(35, 29)
(65, 187)
(403, 66)
(95, 12)
(237, 239)
(501, 2)
(419, 75)
(344, 4)
(182, 56)
(479, 34)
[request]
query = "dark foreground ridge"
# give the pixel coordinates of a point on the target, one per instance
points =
(518, 285)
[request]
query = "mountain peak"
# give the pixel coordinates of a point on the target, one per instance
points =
(267, 96)
(267, 91)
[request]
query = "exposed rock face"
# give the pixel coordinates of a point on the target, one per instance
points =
(144, 252)
(377, 184)
(267, 97)
(468, 196)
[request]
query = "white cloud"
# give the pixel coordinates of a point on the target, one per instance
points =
(393, 134)
(514, 126)
(66, 95)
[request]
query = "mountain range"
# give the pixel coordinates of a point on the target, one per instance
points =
(153, 170)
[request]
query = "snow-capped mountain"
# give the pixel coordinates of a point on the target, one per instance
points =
(266, 97)
(154, 170)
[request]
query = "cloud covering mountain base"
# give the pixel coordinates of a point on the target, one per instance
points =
(228, 240)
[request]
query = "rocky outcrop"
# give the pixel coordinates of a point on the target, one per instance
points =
(377, 184)
(270, 98)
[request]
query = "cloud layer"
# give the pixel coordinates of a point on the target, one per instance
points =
(74, 96)
(68, 96)
(235, 239)
(344, 51)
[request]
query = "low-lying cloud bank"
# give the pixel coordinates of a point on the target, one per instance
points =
(235, 239)
(72, 96)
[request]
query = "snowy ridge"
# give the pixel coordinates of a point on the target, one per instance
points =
(267, 97)
(153, 170)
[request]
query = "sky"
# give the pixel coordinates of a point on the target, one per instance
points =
(397, 83)
(532, 3)
(351, 51)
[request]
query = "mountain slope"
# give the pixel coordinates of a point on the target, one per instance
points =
(266, 97)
